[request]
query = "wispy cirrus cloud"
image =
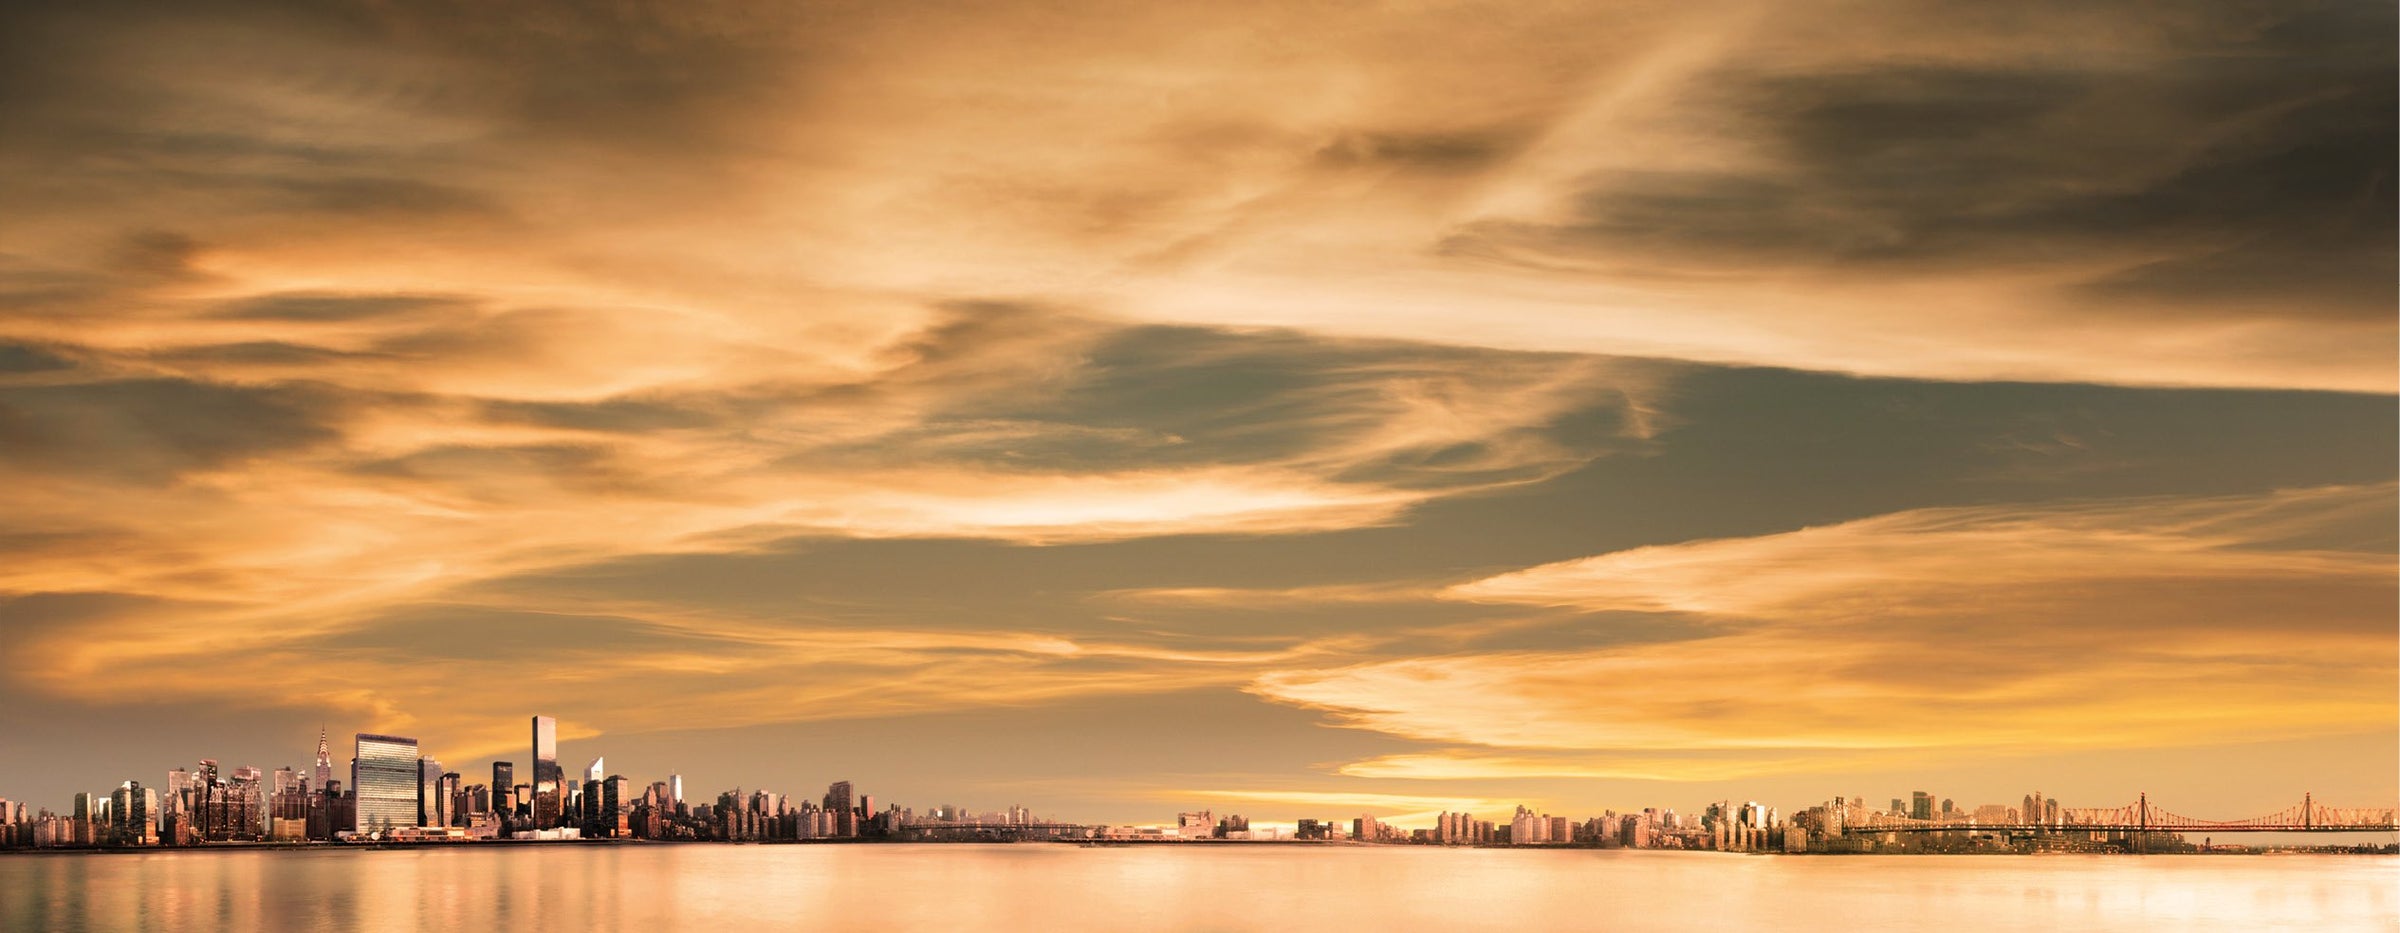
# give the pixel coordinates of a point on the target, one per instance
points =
(2193, 191)
(266, 516)
(2001, 630)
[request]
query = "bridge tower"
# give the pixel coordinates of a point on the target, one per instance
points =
(2308, 809)
(2141, 809)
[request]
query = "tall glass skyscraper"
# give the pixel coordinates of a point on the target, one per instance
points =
(504, 788)
(384, 777)
(546, 774)
(429, 793)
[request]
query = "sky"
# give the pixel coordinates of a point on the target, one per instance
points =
(1293, 409)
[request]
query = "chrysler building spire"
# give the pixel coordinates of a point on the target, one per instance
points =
(324, 761)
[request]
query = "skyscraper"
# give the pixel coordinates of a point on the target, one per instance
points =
(324, 772)
(129, 814)
(546, 774)
(837, 801)
(385, 779)
(616, 800)
(287, 806)
(596, 771)
(504, 784)
(430, 811)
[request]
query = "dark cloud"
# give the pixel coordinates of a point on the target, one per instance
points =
(466, 461)
(2256, 164)
(1465, 150)
(28, 358)
(115, 281)
(1154, 396)
(330, 306)
(154, 256)
(980, 332)
(644, 75)
(638, 75)
(28, 287)
(1745, 452)
(515, 473)
(516, 333)
(155, 429)
(370, 195)
(256, 353)
(1756, 451)
(30, 616)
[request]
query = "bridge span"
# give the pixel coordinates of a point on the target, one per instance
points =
(2140, 816)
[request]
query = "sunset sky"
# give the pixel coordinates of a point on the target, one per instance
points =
(1295, 409)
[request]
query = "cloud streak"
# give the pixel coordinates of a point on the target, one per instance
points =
(1994, 630)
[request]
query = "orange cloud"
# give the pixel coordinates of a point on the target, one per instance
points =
(2002, 630)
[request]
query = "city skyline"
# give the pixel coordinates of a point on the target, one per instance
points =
(1253, 408)
(397, 788)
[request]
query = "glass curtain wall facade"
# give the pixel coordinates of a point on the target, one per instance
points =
(385, 782)
(546, 775)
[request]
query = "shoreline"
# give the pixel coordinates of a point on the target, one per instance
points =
(2386, 850)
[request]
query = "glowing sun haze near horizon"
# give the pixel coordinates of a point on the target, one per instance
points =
(1304, 410)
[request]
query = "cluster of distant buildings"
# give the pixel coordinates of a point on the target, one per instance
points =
(394, 793)
(1842, 825)
(1725, 826)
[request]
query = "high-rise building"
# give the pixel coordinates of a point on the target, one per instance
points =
(504, 785)
(596, 771)
(129, 815)
(616, 803)
(837, 803)
(430, 808)
(1920, 805)
(385, 780)
(546, 774)
(675, 790)
(177, 798)
(246, 803)
(324, 771)
(287, 806)
(590, 802)
(341, 810)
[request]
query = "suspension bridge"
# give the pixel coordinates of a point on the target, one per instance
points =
(2141, 816)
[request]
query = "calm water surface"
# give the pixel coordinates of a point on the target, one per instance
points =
(717, 888)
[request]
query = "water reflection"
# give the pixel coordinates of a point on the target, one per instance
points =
(715, 889)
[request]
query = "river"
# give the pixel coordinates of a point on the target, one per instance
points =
(1043, 887)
